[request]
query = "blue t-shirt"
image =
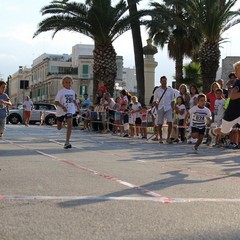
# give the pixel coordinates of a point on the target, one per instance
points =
(3, 107)
(86, 102)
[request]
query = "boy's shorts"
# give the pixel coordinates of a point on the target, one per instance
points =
(228, 125)
(144, 124)
(200, 131)
(63, 117)
(138, 121)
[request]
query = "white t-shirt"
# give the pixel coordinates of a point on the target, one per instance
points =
(181, 107)
(28, 105)
(192, 100)
(167, 99)
(198, 116)
(136, 107)
(219, 110)
(65, 97)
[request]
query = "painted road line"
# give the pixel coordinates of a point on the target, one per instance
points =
(147, 192)
(112, 198)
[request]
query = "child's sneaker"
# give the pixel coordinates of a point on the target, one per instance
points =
(67, 145)
(195, 149)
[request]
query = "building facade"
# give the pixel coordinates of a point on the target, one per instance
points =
(44, 78)
(227, 66)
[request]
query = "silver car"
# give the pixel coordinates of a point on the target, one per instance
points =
(46, 110)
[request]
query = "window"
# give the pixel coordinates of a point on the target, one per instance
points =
(83, 90)
(85, 71)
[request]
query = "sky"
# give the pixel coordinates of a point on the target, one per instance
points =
(19, 20)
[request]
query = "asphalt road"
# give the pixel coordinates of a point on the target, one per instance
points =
(112, 188)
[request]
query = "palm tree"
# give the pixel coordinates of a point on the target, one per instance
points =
(97, 19)
(167, 26)
(211, 18)
(138, 51)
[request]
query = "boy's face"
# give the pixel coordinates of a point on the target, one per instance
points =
(201, 102)
(67, 83)
(2, 88)
(218, 95)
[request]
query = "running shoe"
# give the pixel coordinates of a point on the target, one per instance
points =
(195, 149)
(67, 145)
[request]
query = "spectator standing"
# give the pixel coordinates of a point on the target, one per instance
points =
(218, 112)
(232, 77)
(27, 106)
(4, 102)
(86, 101)
(193, 96)
(136, 108)
(125, 119)
(211, 97)
(109, 104)
(125, 97)
(154, 115)
(132, 120)
(144, 119)
(164, 101)
(221, 84)
(183, 91)
(181, 111)
(117, 115)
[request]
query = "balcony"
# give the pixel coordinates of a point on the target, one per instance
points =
(86, 76)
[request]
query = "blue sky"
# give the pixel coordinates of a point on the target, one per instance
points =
(19, 21)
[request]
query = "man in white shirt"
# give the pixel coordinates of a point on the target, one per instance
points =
(164, 102)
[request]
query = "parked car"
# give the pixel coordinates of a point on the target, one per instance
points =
(15, 116)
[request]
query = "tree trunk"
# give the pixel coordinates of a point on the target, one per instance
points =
(105, 66)
(209, 59)
(179, 71)
(138, 52)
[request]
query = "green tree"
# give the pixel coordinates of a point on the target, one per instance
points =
(192, 74)
(210, 18)
(97, 19)
(167, 26)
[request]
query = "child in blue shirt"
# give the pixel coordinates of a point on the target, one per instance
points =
(4, 102)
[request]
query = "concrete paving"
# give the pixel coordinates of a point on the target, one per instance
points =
(109, 187)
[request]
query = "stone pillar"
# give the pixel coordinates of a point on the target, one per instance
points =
(149, 69)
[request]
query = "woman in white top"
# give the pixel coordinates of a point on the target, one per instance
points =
(183, 91)
(136, 108)
(193, 96)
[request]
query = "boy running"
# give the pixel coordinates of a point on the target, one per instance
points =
(66, 107)
(198, 115)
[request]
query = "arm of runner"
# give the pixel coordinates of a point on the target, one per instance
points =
(234, 93)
